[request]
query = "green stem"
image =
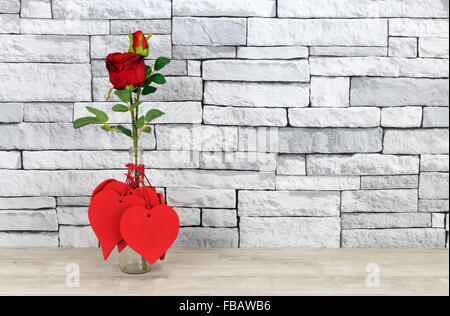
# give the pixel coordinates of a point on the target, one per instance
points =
(135, 117)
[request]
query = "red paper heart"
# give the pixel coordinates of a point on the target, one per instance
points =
(102, 186)
(117, 186)
(149, 194)
(150, 233)
(105, 212)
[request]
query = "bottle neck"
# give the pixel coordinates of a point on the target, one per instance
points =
(136, 155)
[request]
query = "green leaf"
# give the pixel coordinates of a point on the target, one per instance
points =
(147, 82)
(136, 104)
(149, 90)
(100, 114)
(148, 70)
(161, 62)
(86, 121)
(153, 114)
(147, 130)
(140, 122)
(123, 95)
(158, 78)
(105, 129)
(125, 130)
(120, 108)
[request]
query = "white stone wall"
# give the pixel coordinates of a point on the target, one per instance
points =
(290, 123)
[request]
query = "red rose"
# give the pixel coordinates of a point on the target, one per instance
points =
(139, 43)
(126, 69)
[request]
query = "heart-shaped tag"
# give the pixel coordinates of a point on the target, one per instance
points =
(105, 212)
(150, 233)
(102, 186)
(149, 194)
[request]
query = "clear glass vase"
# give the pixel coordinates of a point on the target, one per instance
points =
(130, 261)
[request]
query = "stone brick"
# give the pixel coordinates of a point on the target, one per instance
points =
(438, 220)
(434, 163)
(403, 47)
(294, 165)
(189, 216)
(209, 31)
(212, 179)
(386, 221)
(293, 52)
(85, 160)
(330, 92)
(399, 92)
(389, 182)
(419, 141)
(45, 82)
(28, 220)
(256, 94)
(41, 136)
(197, 137)
(29, 240)
(147, 26)
(36, 9)
(325, 117)
(255, 70)
(73, 200)
(263, 8)
(27, 203)
(258, 139)
(419, 27)
(433, 47)
(382, 201)
(10, 160)
(436, 117)
(256, 161)
(101, 46)
(11, 112)
(64, 27)
(301, 140)
(181, 89)
(342, 51)
(77, 216)
(288, 203)
(10, 6)
(48, 112)
(219, 218)
(317, 32)
(379, 67)
(362, 164)
(175, 112)
(433, 206)
(201, 198)
(111, 9)
(434, 186)
(9, 23)
(203, 237)
(405, 117)
(194, 68)
(244, 116)
(318, 183)
(38, 48)
(362, 8)
(290, 232)
(203, 52)
(77, 237)
(394, 238)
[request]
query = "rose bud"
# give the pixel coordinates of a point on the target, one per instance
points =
(139, 43)
(125, 70)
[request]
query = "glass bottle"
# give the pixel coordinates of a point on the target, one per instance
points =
(130, 261)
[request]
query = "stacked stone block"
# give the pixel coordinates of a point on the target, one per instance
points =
(289, 123)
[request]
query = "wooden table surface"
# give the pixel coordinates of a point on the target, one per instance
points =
(230, 272)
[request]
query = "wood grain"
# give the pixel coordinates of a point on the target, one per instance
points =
(230, 272)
